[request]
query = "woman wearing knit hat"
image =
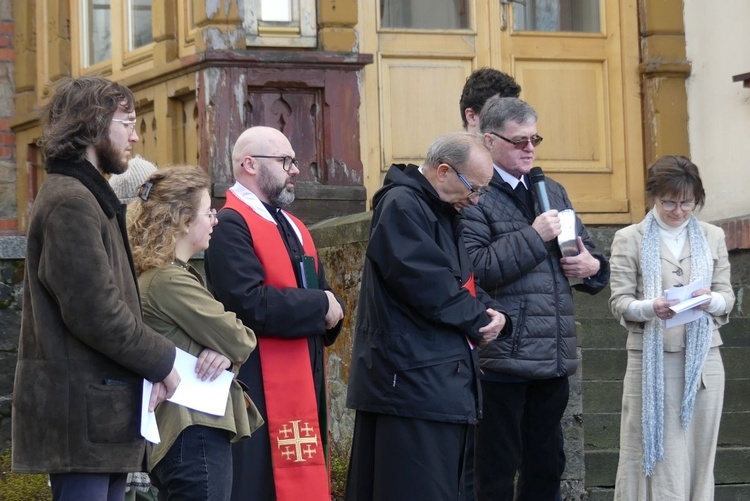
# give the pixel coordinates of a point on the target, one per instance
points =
(126, 185)
(673, 390)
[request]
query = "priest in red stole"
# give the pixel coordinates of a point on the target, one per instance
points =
(262, 265)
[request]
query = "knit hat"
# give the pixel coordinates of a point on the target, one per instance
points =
(126, 185)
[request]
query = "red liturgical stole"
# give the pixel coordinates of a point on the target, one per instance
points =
(299, 466)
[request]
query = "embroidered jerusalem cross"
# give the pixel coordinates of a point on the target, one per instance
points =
(292, 446)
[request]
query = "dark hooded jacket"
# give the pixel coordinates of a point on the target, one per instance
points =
(411, 354)
(523, 273)
(84, 349)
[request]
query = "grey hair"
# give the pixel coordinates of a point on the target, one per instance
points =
(453, 149)
(499, 111)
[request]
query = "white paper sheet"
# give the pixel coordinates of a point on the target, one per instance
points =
(149, 429)
(205, 396)
(685, 310)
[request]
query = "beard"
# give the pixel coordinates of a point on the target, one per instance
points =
(110, 160)
(279, 195)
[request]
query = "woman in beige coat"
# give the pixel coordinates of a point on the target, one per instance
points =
(674, 384)
(170, 222)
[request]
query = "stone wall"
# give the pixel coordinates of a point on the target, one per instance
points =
(12, 251)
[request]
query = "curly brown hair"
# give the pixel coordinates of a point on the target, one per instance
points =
(79, 115)
(155, 224)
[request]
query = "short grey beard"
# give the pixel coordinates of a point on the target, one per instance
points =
(279, 197)
(283, 198)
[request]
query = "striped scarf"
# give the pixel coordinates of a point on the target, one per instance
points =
(697, 339)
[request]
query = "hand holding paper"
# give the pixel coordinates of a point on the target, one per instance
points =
(208, 396)
(685, 310)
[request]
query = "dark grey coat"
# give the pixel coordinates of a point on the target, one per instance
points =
(524, 275)
(84, 349)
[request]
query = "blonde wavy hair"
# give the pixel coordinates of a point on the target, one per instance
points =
(155, 224)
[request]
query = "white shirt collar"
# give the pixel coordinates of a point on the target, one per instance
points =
(510, 179)
(251, 200)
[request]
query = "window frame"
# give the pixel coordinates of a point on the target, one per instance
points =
(302, 31)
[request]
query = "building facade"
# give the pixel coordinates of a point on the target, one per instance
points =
(358, 85)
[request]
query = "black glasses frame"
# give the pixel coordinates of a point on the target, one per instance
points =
(286, 160)
(473, 192)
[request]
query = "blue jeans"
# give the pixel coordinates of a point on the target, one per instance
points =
(197, 467)
(89, 486)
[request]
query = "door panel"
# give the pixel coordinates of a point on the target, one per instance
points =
(411, 119)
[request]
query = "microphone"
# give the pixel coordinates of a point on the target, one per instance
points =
(537, 179)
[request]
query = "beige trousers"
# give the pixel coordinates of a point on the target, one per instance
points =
(687, 471)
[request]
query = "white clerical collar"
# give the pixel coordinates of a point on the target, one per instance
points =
(509, 178)
(251, 200)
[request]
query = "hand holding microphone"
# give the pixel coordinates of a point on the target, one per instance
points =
(540, 188)
(547, 224)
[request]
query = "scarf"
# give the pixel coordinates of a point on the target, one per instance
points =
(697, 339)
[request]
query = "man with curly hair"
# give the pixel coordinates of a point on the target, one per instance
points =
(481, 85)
(84, 349)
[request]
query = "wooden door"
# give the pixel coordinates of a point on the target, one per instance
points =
(424, 50)
(576, 61)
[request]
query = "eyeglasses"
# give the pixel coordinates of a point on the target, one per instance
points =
(127, 123)
(287, 161)
(211, 215)
(670, 205)
(474, 193)
(520, 144)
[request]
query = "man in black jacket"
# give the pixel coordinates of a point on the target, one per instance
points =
(414, 373)
(514, 250)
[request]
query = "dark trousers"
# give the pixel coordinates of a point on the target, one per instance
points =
(519, 432)
(405, 459)
(89, 486)
(197, 467)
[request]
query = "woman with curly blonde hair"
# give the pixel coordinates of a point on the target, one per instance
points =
(171, 220)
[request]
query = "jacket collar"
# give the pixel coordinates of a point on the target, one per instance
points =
(85, 172)
(410, 176)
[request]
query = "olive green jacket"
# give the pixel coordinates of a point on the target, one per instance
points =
(176, 304)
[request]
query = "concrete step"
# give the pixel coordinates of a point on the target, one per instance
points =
(601, 467)
(602, 396)
(604, 364)
(602, 431)
(738, 492)
(608, 333)
(735, 360)
(734, 429)
(600, 333)
(735, 332)
(732, 466)
(736, 393)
